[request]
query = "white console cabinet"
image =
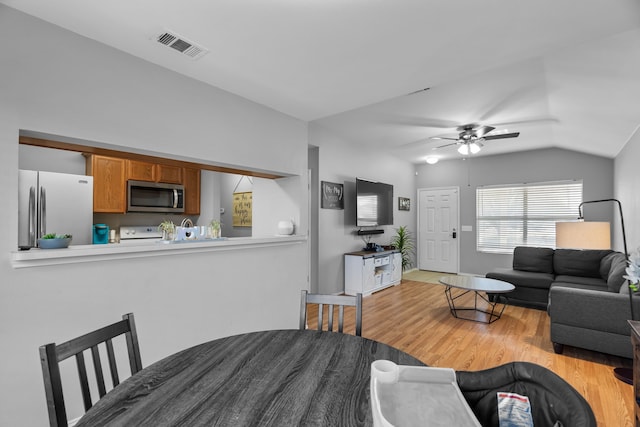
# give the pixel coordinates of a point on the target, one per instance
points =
(367, 272)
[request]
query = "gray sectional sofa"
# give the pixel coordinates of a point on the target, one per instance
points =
(583, 291)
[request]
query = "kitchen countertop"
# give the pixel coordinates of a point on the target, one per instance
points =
(90, 253)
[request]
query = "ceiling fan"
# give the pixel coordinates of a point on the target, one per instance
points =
(472, 136)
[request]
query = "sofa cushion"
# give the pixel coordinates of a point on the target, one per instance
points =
(587, 311)
(522, 278)
(575, 262)
(616, 281)
(536, 260)
(591, 282)
(573, 285)
(608, 260)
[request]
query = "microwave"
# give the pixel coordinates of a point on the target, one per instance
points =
(145, 196)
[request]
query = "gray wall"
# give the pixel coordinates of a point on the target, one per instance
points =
(209, 197)
(314, 213)
(51, 160)
(58, 83)
(230, 184)
(627, 186)
(530, 166)
(341, 162)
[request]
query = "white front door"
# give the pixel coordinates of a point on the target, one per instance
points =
(438, 229)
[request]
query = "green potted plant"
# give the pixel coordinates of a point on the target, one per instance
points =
(54, 241)
(403, 242)
(215, 228)
(168, 229)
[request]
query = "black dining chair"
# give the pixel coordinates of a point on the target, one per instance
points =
(52, 354)
(330, 301)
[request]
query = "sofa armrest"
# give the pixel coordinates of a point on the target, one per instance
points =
(589, 309)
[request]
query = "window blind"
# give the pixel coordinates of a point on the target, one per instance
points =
(524, 214)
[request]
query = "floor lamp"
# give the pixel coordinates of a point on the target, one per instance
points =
(595, 235)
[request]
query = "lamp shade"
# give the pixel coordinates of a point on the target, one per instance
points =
(464, 149)
(474, 148)
(583, 235)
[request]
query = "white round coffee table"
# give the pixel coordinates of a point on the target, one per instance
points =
(476, 285)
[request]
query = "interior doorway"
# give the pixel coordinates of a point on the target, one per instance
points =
(438, 229)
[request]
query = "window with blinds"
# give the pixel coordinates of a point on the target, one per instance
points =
(524, 214)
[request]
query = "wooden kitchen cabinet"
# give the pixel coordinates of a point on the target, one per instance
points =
(191, 182)
(110, 176)
(154, 172)
(141, 171)
(169, 174)
(109, 183)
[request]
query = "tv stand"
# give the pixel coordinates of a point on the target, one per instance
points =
(366, 232)
(367, 272)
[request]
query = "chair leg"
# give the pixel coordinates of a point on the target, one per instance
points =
(303, 311)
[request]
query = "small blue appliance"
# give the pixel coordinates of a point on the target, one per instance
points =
(100, 234)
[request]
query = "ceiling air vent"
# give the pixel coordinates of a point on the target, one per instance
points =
(182, 45)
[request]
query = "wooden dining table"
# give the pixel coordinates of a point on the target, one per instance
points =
(270, 378)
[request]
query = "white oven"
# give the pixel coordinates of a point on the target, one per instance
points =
(139, 234)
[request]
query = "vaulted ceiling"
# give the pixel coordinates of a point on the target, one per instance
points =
(562, 73)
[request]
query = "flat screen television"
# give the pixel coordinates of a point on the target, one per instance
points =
(374, 203)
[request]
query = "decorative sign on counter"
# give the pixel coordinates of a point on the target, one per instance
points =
(332, 195)
(242, 208)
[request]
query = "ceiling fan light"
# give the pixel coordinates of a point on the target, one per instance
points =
(463, 149)
(474, 148)
(432, 160)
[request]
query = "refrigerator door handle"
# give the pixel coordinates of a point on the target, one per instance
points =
(32, 216)
(43, 212)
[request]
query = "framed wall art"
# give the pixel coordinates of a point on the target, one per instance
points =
(242, 209)
(332, 195)
(404, 204)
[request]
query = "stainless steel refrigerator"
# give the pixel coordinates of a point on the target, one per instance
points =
(50, 202)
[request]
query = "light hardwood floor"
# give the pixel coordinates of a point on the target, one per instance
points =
(414, 317)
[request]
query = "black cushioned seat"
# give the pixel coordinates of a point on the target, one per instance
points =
(554, 402)
(525, 279)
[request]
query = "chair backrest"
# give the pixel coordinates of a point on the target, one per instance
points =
(52, 354)
(331, 300)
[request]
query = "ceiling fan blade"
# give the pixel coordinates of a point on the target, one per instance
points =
(446, 145)
(483, 130)
(442, 137)
(527, 120)
(502, 136)
(468, 127)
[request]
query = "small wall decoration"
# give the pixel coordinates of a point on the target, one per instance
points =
(404, 204)
(242, 208)
(332, 195)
